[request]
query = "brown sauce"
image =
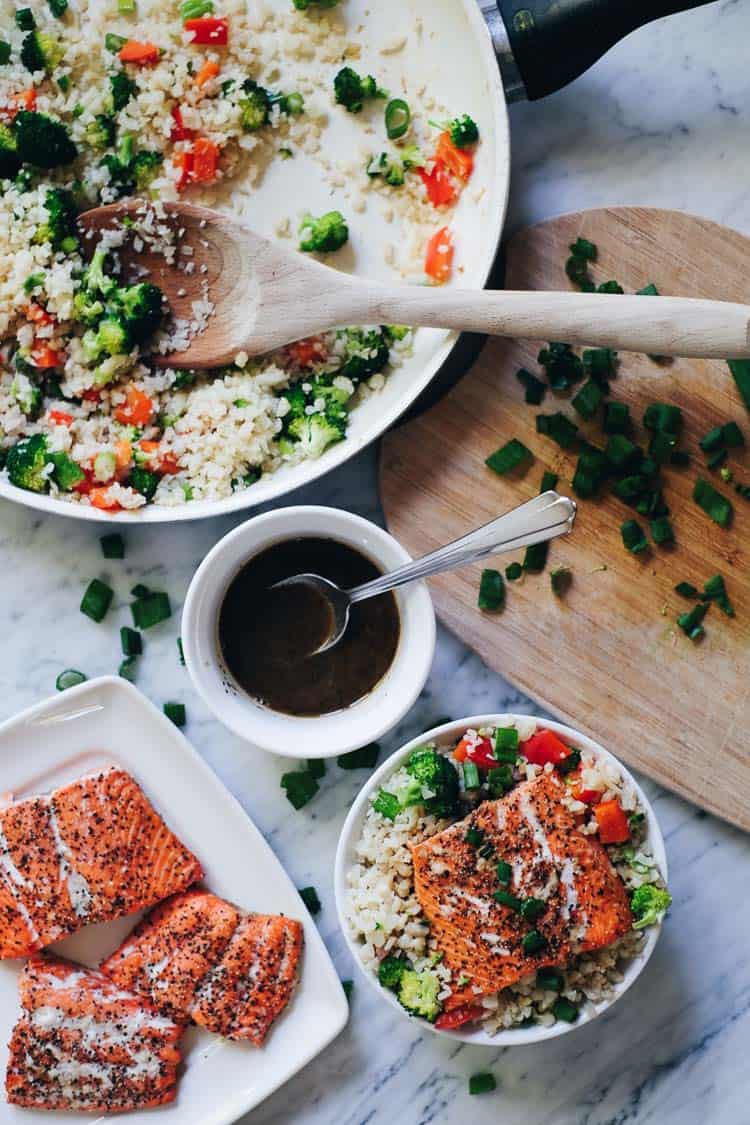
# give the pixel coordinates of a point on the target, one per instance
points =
(266, 636)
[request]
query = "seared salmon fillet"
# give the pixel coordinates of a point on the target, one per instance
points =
(581, 905)
(82, 1043)
(198, 957)
(89, 852)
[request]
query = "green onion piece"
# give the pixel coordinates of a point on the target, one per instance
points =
(491, 591)
(690, 622)
(397, 118)
(504, 872)
(25, 19)
(549, 481)
(310, 898)
(534, 387)
(712, 502)
(4, 52)
(582, 248)
(113, 546)
(740, 369)
(500, 780)
(561, 579)
(505, 898)
(194, 9)
(623, 454)
(558, 427)
(533, 942)
(726, 475)
(316, 767)
(362, 759)
(561, 365)
(572, 762)
(662, 417)
(715, 590)
(114, 43)
(96, 600)
(713, 440)
(300, 787)
(588, 399)
(471, 775)
(661, 447)
(550, 979)
(742, 490)
(599, 364)
(180, 653)
(662, 530)
(131, 641)
(577, 269)
(630, 488)
(562, 1009)
(487, 851)
(686, 590)
(513, 571)
(610, 287)
(58, 8)
(591, 470)
(535, 558)
(150, 609)
(348, 987)
(140, 591)
(506, 744)
(617, 418)
(125, 7)
(474, 836)
(633, 537)
(483, 1083)
(531, 908)
(176, 713)
(649, 290)
(680, 458)
(508, 457)
(128, 668)
(732, 434)
(69, 678)
(32, 282)
(387, 804)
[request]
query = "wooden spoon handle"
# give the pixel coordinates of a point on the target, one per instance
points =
(670, 326)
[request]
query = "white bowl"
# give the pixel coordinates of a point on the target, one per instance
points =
(321, 736)
(448, 734)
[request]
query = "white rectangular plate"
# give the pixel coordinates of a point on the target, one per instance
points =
(108, 722)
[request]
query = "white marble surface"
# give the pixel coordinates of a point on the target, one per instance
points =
(663, 120)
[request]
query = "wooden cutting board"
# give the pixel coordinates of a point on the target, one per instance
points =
(608, 657)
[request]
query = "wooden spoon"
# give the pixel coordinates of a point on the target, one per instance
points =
(265, 295)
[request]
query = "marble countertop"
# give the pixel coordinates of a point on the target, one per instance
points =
(664, 120)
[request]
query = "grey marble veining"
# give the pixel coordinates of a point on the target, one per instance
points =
(664, 119)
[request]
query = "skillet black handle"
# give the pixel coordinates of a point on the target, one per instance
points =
(554, 41)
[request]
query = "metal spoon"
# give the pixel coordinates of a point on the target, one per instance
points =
(545, 517)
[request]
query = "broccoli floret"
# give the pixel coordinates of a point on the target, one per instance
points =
(391, 970)
(255, 108)
(144, 168)
(111, 337)
(327, 233)
(366, 352)
(463, 130)
(10, 161)
(313, 433)
(40, 52)
(27, 395)
(26, 463)
(67, 474)
(351, 90)
(42, 141)
(87, 309)
(121, 90)
(292, 104)
(392, 167)
(100, 133)
(130, 171)
(60, 228)
(143, 481)
(95, 279)
(435, 772)
(418, 993)
(142, 308)
(649, 903)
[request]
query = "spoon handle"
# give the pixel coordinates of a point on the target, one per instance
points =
(545, 517)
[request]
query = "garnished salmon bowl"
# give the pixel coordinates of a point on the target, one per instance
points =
(502, 879)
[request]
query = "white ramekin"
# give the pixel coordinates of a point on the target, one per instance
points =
(448, 734)
(300, 737)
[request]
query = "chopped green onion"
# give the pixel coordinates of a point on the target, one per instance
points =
(712, 440)
(661, 417)
(500, 780)
(506, 744)
(474, 836)
(535, 389)
(504, 872)
(549, 481)
(630, 488)
(531, 908)
(301, 787)
(572, 762)
(562, 1009)
(176, 713)
(58, 8)
(348, 987)
(600, 364)
(715, 590)
(582, 248)
(558, 427)
(194, 9)
(740, 369)
(113, 546)
(140, 591)
(623, 454)
(483, 1083)
(561, 579)
(690, 622)
(32, 282)
(25, 19)
(114, 43)
(505, 898)
(712, 502)
(71, 677)
(680, 458)
(310, 898)
(491, 591)
(127, 668)
(733, 435)
(649, 290)
(533, 942)
(535, 558)
(131, 641)
(150, 609)
(662, 530)
(471, 775)
(508, 457)
(633, 537)
(125, 7)
(561, 365)
(397, 118)
(588, 400)
(610, 287)
(96, 600)
(513, 571)
(180, 653)
(487, 851)
(362, 759)
(726, 475)
(577, 269)
(617, 418)
(4, 52)
(550, 979)
(590, 472)
(686, 590)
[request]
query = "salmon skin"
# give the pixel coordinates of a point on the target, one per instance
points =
(83, 1043)
(89, 852)
(585, 904)
(198, 957)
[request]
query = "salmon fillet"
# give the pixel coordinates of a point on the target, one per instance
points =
(198, 957)
(82, 1043)
(585, 902)
(89, 852)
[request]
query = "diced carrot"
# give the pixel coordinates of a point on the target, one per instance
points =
(60, 418)
(25, 99)
(205, 160)
(38, 315)
(440, 189)
(142, 54)
(137, 410)
(208, 31)
(123, 454)
(165, 463)
(457, 160)
(461, 752)
(308, 351)
(208, 71)
(438, 262)
(100, 498)
(613, 824)
(44, 356)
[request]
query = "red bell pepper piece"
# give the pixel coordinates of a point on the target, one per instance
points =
(457, 160)
(45, 357)
(208, 31)
(613, 823)
(440, 189)
(179, 131)
(543, 747)
(467, 1013)
(60, 418)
